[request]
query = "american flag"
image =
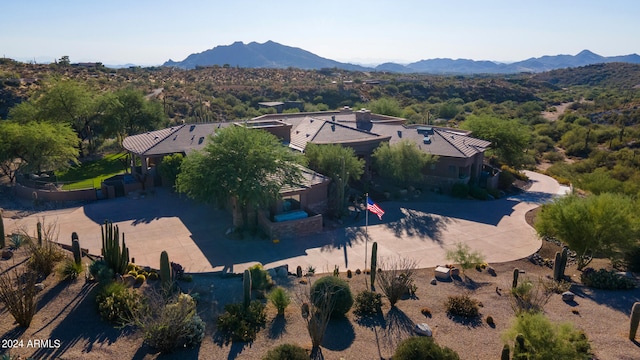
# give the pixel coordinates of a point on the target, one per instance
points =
(374, 208)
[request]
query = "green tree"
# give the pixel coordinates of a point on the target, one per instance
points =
(423, 348)
(598, 224)
(35, 147)
(169, 168)
(509, 138)
(250, 165)
(540, 339)
(338, 162)
(127, 112)
(386, 106)
(402, 161)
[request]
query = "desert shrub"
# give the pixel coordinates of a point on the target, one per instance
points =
(396, 278)
(240, 324)
(17, 240)
(140, 279)
(490, 321)
(44, 257)
(505, 179)
(280, 299)
(462, 306)
(464, 256)
(494, 192)
(423, 348)
(340, 294)
(528, 296)
(460, 190)
(603, 279)
(367, 303)
(426, 311)
(632, 259)
(479, 193)
(19, 295)
(117, 303)
(287, 352)
(260, 279)
(541, 339)
(553, 156)
(555, 287)
(70, 270)
(171, 323)
(153, 276)
(133, 273)
(101, 271)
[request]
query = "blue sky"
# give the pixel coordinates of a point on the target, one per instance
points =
(146, 32)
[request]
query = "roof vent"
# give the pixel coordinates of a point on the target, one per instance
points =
(399, 133)
(156, 137)
(426, 140)
(428, 130)
(200, 140)
(191, 128)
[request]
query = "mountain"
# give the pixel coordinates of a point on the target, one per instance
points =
(274, 55)
(256, 55)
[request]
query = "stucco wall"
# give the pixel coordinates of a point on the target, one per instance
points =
(50, 195)
(289, 229)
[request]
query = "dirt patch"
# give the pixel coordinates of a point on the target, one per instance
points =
(67, 313)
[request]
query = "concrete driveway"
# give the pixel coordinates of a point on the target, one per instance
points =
(193, 234)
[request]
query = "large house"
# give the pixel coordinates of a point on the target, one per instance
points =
(460, 156)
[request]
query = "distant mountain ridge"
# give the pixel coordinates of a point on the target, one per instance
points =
(274, 55)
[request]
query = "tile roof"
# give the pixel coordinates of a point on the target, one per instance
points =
(183, 138)
(309, 179)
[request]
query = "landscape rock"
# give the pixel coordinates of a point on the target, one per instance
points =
(568, 296)
(423, 329)
(272, 273)
(491, 271)
(39, 287)
(434, 281)
(282, 272)
(7, 254)
(442, 273)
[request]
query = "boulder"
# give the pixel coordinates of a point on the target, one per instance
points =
(272, 273)
(7, 254)
(434, 281)
(568, 296)
(39, 287)
(423, 329)
(455, 272)
(491, 271)
(442, 273)
(282, 272)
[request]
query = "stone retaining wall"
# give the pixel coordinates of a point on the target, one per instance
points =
(290, 229)
(54, 195)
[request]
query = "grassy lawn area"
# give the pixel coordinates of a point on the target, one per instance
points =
(91, 173)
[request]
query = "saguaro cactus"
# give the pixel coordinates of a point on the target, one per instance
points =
(165, 269)
(516, 273)
(2, 239)
(558, 272)
(563, 259)
(75, 247)
(246, 283)
(116, 257)
(374, 263)
(505, 353)
(635, 319)
(39, 227)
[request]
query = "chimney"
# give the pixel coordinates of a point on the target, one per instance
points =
(363, 116)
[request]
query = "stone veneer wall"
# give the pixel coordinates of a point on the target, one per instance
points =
(290, 229)
(51, 195)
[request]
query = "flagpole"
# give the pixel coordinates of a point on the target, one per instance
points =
(366, 237)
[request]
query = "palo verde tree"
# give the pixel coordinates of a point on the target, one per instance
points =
(127, 112)
(35, 147)
(402, 161)
(598, 224)
(338, 162)
(509, 138)
(250, 165)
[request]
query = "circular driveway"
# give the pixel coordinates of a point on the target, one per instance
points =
(193, 234)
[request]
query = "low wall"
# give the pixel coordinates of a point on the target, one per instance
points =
(290, 229)
(54, 195)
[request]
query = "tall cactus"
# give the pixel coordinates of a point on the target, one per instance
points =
(2, 239)
(116, 257)
(165, 269)
(558, 272)
(374, 263)
(563, 259)
(39, 227)
(75, 247)
(505, 353)
(634, 320)
(516, 273)
(246, 283)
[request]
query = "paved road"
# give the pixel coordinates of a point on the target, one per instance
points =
(193, 234)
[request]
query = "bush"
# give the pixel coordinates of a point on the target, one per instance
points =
(260, 279)
(240, 324)
(397, 279)
(528, 296)
(117, 303)
(280, 299)
(460, 190)
(550, 341)
(463, 256)
(423, 348)
(505, 180)
(172, 323)
(70, 270)
(287, 352)
(101, 271)
(340, 294)
(368, 303)
(478, 193)
(44, 257)
(463, 306)
(18, 294)
(603, 279)
(632, 259)
(153, 276)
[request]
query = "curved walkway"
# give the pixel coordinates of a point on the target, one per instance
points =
(192, 234)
